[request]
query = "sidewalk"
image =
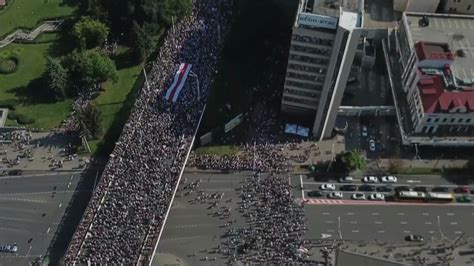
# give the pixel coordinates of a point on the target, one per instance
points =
(47, 26)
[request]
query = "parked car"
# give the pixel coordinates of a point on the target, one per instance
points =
(461, 190)
(464, 199)
(376, 196)
(440, 189)
(15, 172)
(315, 193)
(347, 179)
(348, 188)
(384, 189)
(370, 179)
(420, 189)
(367, 188)
(364, 131)
(402, 188)
(414, 238)
(358, 196)
(335, 195)
(330, 187)
(389, 179)
(372, 145)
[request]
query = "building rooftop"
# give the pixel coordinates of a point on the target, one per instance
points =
(454, 30)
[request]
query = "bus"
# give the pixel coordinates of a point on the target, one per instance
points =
(415, 196)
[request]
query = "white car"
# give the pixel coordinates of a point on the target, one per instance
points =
(364, 131)
(376, 196)
(372, 145)
(370, 179)
(330, 187)
(347, 179)
(335, 195)
(389, 179)
(358, 196)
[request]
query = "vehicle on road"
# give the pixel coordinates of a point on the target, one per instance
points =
(367, 188)
(328, 187)
(464, 199)
(414, 238)
(388, 179)
(348, 188)
(15, 172)
(415, 196)
(402, 188)
(9, 248)
(347, 179)
(364, 131)
(315, 193)
(440, 189)
(461, 190)
(376, 196)
(358, 196)
(421, 189)
(372, 145)
(384, 189)
(335, 195)
(370, 179)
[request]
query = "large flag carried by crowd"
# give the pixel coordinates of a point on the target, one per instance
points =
(178, 83)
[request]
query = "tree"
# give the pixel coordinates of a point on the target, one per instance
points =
(90, 119)
(90, 33)
(141, 41)
(88, 68)
(56, 77)
(352, 160)
(394, 165)
(167, 9)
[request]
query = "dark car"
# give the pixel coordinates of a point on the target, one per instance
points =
(402, 188)
(461, 190)
(315, 193)
(420, 189)
(384, 189)
(348, 188)
(15, 172)
(472, 191)
(440, 189)
(414, 238)
(366, 188)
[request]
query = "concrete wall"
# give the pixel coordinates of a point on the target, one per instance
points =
(458, 7)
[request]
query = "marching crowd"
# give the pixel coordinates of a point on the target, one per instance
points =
(125, 215)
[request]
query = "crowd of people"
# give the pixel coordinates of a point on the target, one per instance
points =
(126, 213)
(275, 224)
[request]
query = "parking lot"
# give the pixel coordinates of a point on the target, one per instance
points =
(31, 207)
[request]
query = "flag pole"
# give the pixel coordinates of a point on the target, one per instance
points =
(146, 78)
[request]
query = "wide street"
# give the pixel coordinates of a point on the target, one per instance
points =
(31, 208)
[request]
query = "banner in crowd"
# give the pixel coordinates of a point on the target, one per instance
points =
(179, 80)
(302, 131)
(233, 123)
(297, 130)
(290, 128)
(206, 139)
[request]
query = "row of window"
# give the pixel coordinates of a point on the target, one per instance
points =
(303, 85)
(310, 50)
(299, 100)
(305, 77)
(315, 40)
(451, 121)
(316, 70)
(309, 59)
(301, 93)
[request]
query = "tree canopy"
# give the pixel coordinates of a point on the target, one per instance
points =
(352, 160)
(90, 119)
(56, 77)
(90, 33)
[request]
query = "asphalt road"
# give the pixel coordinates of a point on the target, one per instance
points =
(389, 223)
(30, 209)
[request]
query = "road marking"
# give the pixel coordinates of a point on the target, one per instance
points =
(454, 223)
(325, 213)
(431, 232)
(325, 236)
(49, 229)
(375, 213)
(400, 213)
(428, 223)
(351, 213)
(355, 231)
(406, 231)
(378, 222)
(330, 231)
(458, 232)
(381, 231)
(329, 222)
(426, 214)
(449, 214)
(353, 222)
(403, 222)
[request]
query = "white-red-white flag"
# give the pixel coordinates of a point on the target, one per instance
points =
(178, 83)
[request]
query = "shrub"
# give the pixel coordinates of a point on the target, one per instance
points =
(8, 103)
(24, 119)
(12, 115)
(9, 65)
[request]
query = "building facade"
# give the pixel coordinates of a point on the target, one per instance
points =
(458, 7)
(425, 6)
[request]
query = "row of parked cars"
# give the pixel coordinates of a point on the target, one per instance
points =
(340, 195)
(370, 179)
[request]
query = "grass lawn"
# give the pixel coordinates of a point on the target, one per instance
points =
(28, 13)
(32, 63)
(218, 150)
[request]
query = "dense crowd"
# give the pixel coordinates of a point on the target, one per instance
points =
(127, 210)
(275, 223)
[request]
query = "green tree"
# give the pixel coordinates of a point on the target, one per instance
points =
(90, 33)
(352, 160)
(90, 119)
(57, 77)
(142, 42)
(89, 68)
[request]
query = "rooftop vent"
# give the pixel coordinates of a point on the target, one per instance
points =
(424, 21)
(461, 53)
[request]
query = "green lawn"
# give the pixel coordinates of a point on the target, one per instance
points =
(32, 59)
(218, 150)
(28, 13)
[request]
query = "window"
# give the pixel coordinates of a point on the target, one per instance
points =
(428, 120)
(452, 120)
(436, 120)
(444, 120)
(468, 120)
(460, 120)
